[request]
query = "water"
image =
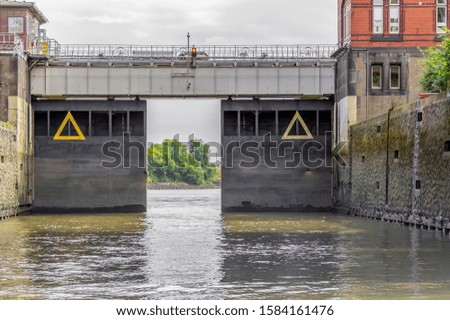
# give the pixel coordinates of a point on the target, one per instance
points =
(184, 248)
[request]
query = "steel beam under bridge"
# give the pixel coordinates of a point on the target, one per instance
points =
(219, 79)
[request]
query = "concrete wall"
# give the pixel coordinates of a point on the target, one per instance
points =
(69, 176)
(262, 186)
(353, 76)
(389, 164)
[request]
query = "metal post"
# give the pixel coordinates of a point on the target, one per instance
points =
(188, 50)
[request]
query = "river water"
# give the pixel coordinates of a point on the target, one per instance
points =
(185, 248)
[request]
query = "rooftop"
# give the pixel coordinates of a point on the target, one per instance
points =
(25, 5)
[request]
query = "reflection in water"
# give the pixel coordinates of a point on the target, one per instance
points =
(183, 242)
(414, 262)
(184, 248)
(281, 256)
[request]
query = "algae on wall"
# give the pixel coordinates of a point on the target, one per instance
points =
(385, 174)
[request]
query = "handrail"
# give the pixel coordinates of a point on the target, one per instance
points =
(107, 52)
(10, 42)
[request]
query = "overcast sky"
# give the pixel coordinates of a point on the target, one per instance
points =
(208, 21)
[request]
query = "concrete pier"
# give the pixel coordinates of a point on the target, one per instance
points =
(106, 172)
(267, 168)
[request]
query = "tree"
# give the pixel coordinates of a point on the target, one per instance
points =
(173, 161)
(436, 74)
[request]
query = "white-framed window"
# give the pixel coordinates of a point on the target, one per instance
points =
(377, 76)
(394, 16)
(346, 16)
(378, 16)
(394, 77)
(15, 25)
(441, 15)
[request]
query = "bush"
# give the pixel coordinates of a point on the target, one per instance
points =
(172, 161)
(436, 74)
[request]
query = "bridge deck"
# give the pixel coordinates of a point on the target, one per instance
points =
(170, 71)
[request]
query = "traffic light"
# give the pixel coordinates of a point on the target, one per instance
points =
(194, 52)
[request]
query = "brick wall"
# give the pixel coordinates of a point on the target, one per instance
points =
(417, 24)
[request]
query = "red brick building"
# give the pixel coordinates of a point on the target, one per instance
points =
(379, 62)
(22, 19)
(391, 23)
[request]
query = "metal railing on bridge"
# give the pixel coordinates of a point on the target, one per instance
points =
(111, 53)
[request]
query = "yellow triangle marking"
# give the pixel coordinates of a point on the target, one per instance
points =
(308, 135)
(70, 118)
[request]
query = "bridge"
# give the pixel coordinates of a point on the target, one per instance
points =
(72, 71)
(301, 75)
(80, 114)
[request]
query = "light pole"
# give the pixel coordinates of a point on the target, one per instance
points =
(188, 36)
(188, 85)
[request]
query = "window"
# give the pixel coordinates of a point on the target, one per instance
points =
(119, 123)
(377, 77)
(378, 16)
(41, 123)
(267, 123)
(324, 122)
(394, 77)
(82, 119)
(137, 123)
(394, 16)
(418, 184)
(248, 123)
(419, 116)
(56, 119)
(346, 19)
(441, 13)
(310, 118)
(447, 146)
(396, 154)
(15, 25)
(230, 123)
(100, 123)
(284, 119)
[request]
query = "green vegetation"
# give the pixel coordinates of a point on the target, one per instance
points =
(436, 75)
(172, 161)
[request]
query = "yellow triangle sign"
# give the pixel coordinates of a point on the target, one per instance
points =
(299, 118)
(70, 118)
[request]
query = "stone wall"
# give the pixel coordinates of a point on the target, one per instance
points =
(16, 119)
(401, 164)
(8, 173)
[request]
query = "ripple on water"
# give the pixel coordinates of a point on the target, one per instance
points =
(185, 248)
